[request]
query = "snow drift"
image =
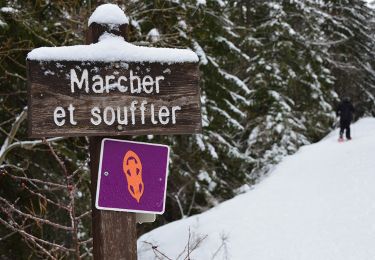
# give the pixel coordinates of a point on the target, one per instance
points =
(316, 204)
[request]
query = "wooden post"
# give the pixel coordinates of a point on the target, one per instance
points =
(114, 233)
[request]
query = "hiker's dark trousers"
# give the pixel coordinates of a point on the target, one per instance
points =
(345, 126)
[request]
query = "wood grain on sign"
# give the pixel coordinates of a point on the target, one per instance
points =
(50, 87)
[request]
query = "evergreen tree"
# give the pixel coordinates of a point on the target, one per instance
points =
(291, 84)
(201, 164)
(349, 30)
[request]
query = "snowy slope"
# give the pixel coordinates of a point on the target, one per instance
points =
(316, 204)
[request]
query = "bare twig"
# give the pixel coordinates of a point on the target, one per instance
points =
(27, 179)
(13, 131)
(87, 213)
(6, 148)
(31, 237)
(37, 219)
(71, 188)
(156, 250)
(223, 245)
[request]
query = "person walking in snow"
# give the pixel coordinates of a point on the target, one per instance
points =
(345, 110)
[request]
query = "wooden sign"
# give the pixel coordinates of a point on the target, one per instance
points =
(83, 98)
(112, 87)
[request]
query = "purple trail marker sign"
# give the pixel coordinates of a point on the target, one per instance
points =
(132, 176)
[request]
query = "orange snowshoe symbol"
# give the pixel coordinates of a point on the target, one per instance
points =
(132, 167)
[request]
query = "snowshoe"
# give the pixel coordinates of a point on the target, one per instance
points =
(341, 140)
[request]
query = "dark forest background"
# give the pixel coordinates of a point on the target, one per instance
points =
(272, 73)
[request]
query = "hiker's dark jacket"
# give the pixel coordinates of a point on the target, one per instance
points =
(345, 110)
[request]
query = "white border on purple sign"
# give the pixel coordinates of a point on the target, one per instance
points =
(100, 175)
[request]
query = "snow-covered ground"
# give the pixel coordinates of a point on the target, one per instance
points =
(317, 204)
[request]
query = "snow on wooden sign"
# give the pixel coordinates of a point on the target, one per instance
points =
(112, 88)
